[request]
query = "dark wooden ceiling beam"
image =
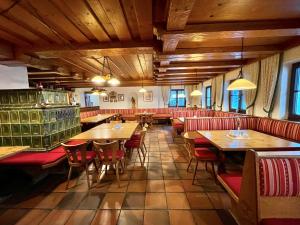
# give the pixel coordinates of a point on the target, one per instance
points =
(6, 51)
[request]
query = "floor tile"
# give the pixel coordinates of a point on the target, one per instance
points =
(156, 217)
(112, 201)
(156, 201)
(154, 174)
(50, 201)
(139, 175)
(81, 217)
(173, 186)
(106, 217)
(134, 201)
(33, 217)
(71, 200)
(179, 217)
(206, 217)
(189, 187)
(114, 187)
(155, 186)
(137, 186)
(11, 216)
(177, 201)
(199, 200)
(219, 200)
(91, 201)
(57, 217)
(131, 217)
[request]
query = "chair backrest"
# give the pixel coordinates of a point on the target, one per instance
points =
(76, 154)
(270, 186)
(107, 152)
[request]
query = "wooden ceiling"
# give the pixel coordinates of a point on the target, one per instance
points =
(163, 42)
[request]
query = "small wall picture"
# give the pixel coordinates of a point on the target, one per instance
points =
(120, 97)
(105, 98)
(148, 96)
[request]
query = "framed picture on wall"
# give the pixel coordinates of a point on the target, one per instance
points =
(148, 96)
(105, 99)
(120, 97)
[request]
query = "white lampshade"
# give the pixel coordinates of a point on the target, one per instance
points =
(98, 79)
(114, 81)
(103, 94)
(196, 93)
(241, 84)
(142, 90)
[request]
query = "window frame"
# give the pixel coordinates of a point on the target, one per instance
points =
(240, 103)
(206, 98)
(291, 114)
(177, 90)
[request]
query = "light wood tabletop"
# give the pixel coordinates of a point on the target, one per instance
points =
(97, 119)
(7, 151)
(226, 140)
(108, 131)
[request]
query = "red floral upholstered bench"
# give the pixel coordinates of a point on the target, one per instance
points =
(268, 193)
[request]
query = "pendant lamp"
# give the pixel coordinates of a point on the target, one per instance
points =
(241, 83)
(142, 89)
(106, 77)
(196, 92)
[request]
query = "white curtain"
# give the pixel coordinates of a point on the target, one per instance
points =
(188, 90)
(251, 73)
(270, 68)
(213, 93)
(165, 92)
(219, 92)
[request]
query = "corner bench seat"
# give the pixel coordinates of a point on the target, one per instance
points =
(280, 221)
(232, 183)
(40, 159)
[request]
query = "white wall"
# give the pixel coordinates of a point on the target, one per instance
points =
(13, 77)
(282, 95)
(128, 92)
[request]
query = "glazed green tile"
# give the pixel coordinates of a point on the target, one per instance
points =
(4, 115)
(7, 141)
(17, 141)
(61, 136)
(37, 142)
(46, 141)
(14, 116)
(53, 127)
(13, 98)
(24, 116)
(36, 129)
(46, 129)
(26, 141)
(16, 129)
(6, 130)
(54, 139)
(23, 97)
(50, 97)
(53, 115)
(60, 125)
(1, 141)
(46, 116)
(32, 97)
(34, 116)
(25, 129)
(4, 99)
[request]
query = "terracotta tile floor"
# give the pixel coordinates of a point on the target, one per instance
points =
(158, 193)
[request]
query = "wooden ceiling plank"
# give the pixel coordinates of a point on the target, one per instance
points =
(124, 62)
(169, 45)
(215, 70)
(54, 18)
(83, 13)
(103, 18)
(6, 51)
(129, 11)
(115, 14)
(178, 14)
(143, 10)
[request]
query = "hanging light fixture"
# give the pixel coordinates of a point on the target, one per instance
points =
(196, 92)
(241, 83)
(142, 89)
(99, 91)
(106, 77)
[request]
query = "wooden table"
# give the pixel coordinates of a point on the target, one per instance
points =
(97, 119)
(252, 140)
(8, 151)
(108, 131)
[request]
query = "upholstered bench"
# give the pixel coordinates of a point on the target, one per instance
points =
(268, 192)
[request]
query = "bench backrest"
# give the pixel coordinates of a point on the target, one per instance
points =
(270, 186)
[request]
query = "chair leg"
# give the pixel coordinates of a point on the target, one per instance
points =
(213, 171)
(123, 165)
(190, 162)
(69, 177)
(87, 175)
(117, 173)
(196, 167)
(142, 163)
(145, 147)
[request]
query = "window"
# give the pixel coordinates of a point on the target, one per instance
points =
(208, 97)
(237, 101)
(177, 98)
(294, 107)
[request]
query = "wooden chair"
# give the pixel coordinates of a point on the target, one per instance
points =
(139, 145)
(110, 155)
(268, 191)
(148, 119)
(79, 157)
(202, 154)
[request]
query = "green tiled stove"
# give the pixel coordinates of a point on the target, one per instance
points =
(41, 119)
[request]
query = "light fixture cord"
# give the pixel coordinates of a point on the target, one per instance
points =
(242, 58)
(142, 70)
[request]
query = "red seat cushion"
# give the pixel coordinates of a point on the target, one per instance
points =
(205, 154)
(90, 155)
(61, 148)
(162, 116)
(136, 136)
(202, 141)
(132, 144)
(120, 154)
(33, 158)
(233, 181)
(277, 221)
